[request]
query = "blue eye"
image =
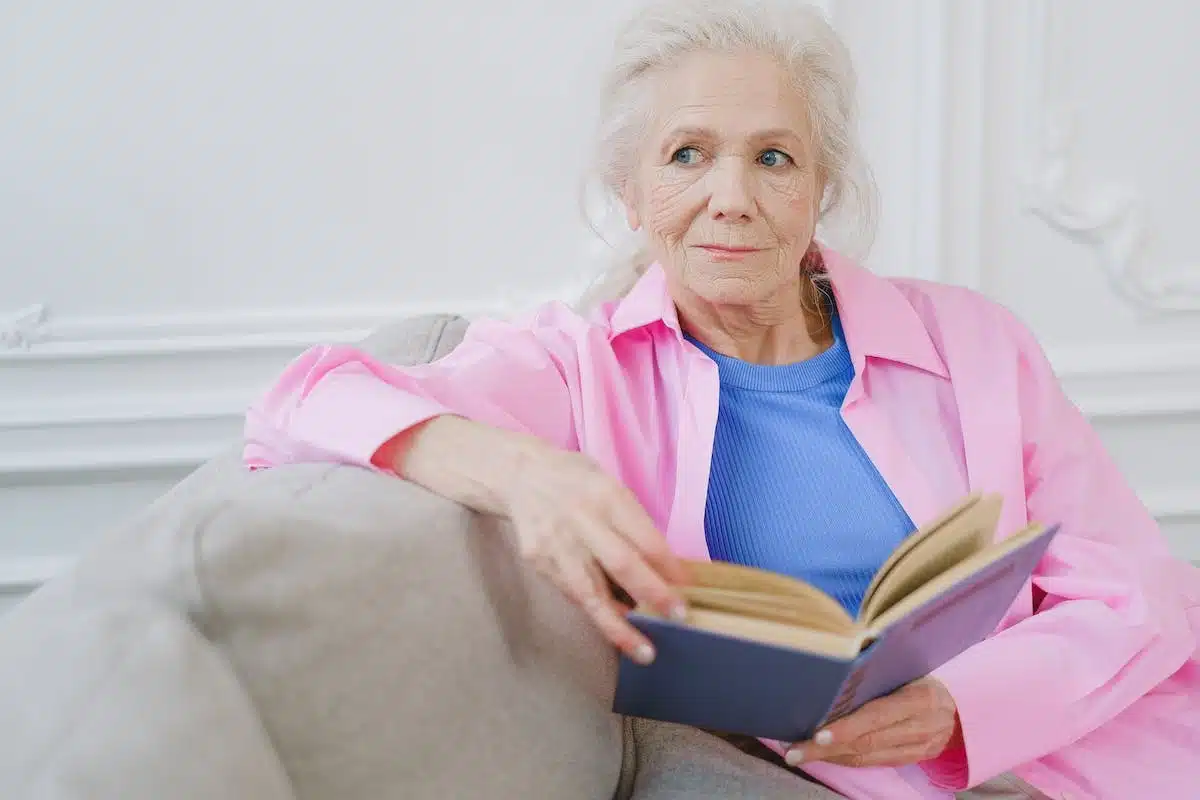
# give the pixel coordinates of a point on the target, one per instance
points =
(774, 158)
(686, 155)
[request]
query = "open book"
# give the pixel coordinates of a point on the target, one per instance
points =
(767, 655)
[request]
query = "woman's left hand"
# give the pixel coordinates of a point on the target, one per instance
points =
(915, 723)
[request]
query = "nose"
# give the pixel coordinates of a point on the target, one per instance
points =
(731, 196)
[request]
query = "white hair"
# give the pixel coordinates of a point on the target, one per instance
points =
(804, 43)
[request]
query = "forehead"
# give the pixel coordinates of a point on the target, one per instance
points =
(733, 94)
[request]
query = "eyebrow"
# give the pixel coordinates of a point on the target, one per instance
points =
(693, 132)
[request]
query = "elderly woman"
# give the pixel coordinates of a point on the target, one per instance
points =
(748, 378)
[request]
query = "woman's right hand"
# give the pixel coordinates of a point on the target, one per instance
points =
(578, 526)
(581, 528)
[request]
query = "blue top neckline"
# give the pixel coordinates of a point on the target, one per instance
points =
(796, 377)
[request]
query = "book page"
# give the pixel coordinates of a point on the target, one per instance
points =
(843, 646)
(813, 612)
(915, 539)
(738, 591)
(734, 588)
(960, 533)
(959, 572)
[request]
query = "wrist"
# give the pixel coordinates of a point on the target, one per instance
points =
(489, 466)
(946, 705)
(516, 463)
(469, 462)
(955, 744)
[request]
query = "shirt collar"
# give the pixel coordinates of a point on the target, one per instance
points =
(878, 319)
(648, 302)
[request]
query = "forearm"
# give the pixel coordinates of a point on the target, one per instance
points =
(339, 404)
(469, 462)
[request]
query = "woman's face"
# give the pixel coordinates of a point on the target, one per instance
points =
(725, 185)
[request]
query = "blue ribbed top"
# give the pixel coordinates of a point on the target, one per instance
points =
(791, 490)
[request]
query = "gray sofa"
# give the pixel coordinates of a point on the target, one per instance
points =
(270, 635)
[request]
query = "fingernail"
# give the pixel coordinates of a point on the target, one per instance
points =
(794, 757)
(679, 612)
(644, 654)
(823, 738)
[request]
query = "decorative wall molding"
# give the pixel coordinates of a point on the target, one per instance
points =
(155, 393)
(1107, 217)
(99, 410)
(138, 395)
(19, 576)
(1173, 504)
(33, 335)
(1131, 380)
(1178, 513)
(20, 330)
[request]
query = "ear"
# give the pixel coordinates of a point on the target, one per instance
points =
(819, 194)
(629, 200)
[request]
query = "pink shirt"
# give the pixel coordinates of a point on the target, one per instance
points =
(1096, 695)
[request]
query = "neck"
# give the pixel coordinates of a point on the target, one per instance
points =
(791, 327)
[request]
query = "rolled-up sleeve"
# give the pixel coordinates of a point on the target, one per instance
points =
(1111, 619)
(338, 404)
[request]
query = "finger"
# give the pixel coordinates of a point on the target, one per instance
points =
(582, 581)
(625, 565)
(896, 757)
(633, 523)
(901, 735)
(882, 712)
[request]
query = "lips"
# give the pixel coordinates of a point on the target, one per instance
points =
(725, 248)
(727, 252)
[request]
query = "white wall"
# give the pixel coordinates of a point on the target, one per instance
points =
(192, 193)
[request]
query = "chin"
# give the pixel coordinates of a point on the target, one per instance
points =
(734, 283)
(734, 290)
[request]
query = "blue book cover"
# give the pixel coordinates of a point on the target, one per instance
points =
(764, 682)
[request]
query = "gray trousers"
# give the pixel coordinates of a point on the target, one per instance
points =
(673, 762)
